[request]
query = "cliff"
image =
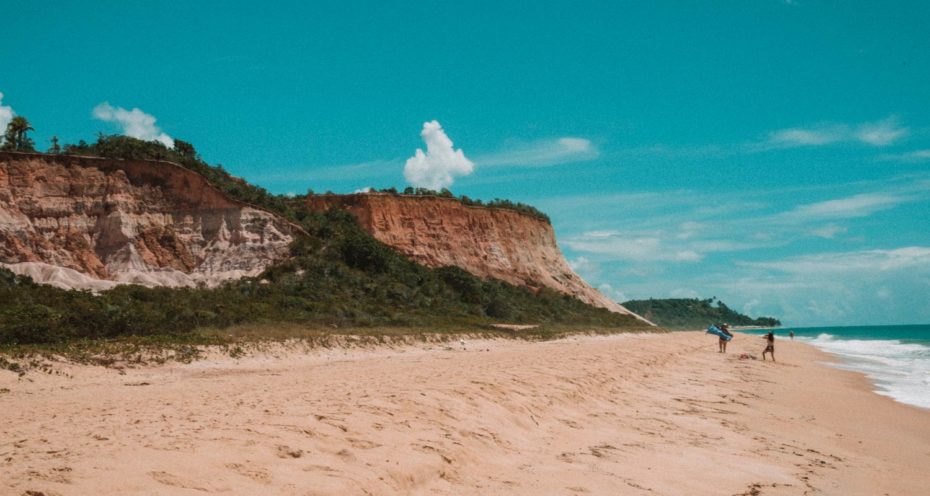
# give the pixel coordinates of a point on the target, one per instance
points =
(488, 242)
(81, 222)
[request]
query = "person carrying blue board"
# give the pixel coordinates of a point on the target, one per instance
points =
(722, 331)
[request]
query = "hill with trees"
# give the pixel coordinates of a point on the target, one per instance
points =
(693, 313)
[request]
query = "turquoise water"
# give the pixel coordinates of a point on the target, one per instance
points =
(895, 358)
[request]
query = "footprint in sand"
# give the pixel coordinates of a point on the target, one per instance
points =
(285, 451)
(362, 443)
(172, 480)
(58, 475)
(256, 474)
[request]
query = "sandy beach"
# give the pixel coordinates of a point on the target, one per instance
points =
(629, 414)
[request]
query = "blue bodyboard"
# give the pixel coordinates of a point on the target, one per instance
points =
(717, 331)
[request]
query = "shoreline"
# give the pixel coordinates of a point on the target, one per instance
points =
(628, 414)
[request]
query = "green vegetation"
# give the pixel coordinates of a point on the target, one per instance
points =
(16, 136)
(339, 277)
(692, 313)
(495, 203)
(183, 154)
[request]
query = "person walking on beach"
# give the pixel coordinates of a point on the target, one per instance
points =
(769, 345)
(791, 335)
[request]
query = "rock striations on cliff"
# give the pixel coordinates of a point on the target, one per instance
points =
(92, 223)
(488, 242)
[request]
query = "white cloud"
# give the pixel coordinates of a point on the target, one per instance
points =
(438, 167)
(808, 137)
(542, 153)
(684, 293)
(612, 293)
(859, 262)
(580, 264)
(879, 133)
(6, 114)
(828, 231)
(861, 205)
(366, 189)
(912, 156)
(134, 123)
(631, 247)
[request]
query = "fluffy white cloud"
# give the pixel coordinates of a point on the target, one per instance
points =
(543, 153)
(134, 123)
(879, 133)
(440, 164)
(6, 114)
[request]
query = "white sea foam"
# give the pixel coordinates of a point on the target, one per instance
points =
(898, 369)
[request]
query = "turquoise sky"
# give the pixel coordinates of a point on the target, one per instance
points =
(775, 154)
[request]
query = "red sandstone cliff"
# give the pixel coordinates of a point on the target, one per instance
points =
(488, 242)
(91, 223)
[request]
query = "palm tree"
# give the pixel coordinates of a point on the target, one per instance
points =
(16, 138)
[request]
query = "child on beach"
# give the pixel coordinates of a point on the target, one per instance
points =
(770, 345)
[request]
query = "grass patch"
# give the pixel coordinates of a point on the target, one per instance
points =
(242, 340)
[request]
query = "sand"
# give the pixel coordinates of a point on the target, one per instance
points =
(633, 414)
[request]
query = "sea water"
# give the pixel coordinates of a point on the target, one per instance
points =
(895, 358)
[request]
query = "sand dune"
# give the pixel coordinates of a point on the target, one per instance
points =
(635, 414)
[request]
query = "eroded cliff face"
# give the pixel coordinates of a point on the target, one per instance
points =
(488, 242)
(80, 222)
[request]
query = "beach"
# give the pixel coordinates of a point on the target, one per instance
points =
(623, 414)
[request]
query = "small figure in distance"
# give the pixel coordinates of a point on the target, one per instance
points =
(723, 342)
(791, 335)
(769, 346)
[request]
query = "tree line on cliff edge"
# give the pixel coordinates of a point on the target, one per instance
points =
(338, 276)
(522, 208)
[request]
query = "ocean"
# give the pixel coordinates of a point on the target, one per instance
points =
(895, 358)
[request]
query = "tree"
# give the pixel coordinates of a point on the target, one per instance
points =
(55, 148)
(15, 137)
(185, 149)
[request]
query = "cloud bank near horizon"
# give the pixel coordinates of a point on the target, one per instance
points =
(440, 164)
(134, 123)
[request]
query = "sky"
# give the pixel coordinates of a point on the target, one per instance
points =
(774, 154)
